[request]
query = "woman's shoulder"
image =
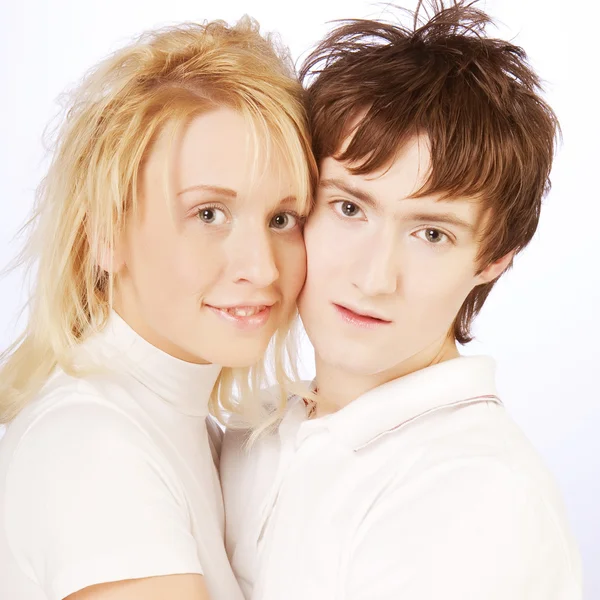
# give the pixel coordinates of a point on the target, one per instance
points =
(70, 439)
(66, 397)
(71, 419)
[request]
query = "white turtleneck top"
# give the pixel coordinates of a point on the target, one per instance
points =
(111, 475)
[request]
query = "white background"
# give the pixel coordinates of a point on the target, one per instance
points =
(541, 322)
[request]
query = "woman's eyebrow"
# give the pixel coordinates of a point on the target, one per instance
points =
(290, 200)
(213, 189)
(229, 193)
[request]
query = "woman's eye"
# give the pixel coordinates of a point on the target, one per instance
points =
(212, 215)
(348, 209)
(433, 236)
(283, 221)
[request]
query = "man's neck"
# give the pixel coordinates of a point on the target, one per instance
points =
(338, 386)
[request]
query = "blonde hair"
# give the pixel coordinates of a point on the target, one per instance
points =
(165, 77)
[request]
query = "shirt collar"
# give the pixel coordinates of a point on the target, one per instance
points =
(393, 405)
(186, 386)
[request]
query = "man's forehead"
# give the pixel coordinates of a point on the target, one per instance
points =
(395, 188)
(403, 177)
(416, 149)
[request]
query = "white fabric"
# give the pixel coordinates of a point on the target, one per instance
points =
(421, 489)
(110, 476)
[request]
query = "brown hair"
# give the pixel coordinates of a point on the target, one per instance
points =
(491, 135)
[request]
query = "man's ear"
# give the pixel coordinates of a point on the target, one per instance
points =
(495, 269)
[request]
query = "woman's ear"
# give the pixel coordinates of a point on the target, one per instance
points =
(109, 259)
(495, 269)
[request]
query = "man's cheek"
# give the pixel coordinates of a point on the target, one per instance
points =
(318, 278)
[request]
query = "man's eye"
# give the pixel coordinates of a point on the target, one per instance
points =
(348, 209)
(283, 221)
(433, 236)
(211, 215)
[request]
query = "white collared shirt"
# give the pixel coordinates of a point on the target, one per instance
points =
(422, 488)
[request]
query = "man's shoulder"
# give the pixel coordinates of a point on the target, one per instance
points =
(487, 433)
(482, 433)
(479, 455)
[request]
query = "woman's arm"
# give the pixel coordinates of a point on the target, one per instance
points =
(182, 587)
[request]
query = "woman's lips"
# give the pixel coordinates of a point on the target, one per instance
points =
(248, 318)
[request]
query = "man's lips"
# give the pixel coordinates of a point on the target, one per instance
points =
(356, 317)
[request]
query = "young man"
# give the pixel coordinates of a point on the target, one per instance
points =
(403, 476)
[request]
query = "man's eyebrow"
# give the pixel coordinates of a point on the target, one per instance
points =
(369, 200)
(433, 217)
(361, 195)
(214, 189)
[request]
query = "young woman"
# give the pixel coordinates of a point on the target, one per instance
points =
(168, 252)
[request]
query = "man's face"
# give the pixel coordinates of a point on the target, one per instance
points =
(387, 273)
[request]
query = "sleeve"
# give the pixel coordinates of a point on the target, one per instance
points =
(88, 501)
(461, 532)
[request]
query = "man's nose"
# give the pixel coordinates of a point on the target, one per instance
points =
(377, 270)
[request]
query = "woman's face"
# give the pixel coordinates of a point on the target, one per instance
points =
(212, 262)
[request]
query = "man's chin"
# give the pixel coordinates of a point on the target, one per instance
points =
(356, 361)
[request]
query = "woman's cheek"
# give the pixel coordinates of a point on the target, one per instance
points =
(191, 267)
(293, 268)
